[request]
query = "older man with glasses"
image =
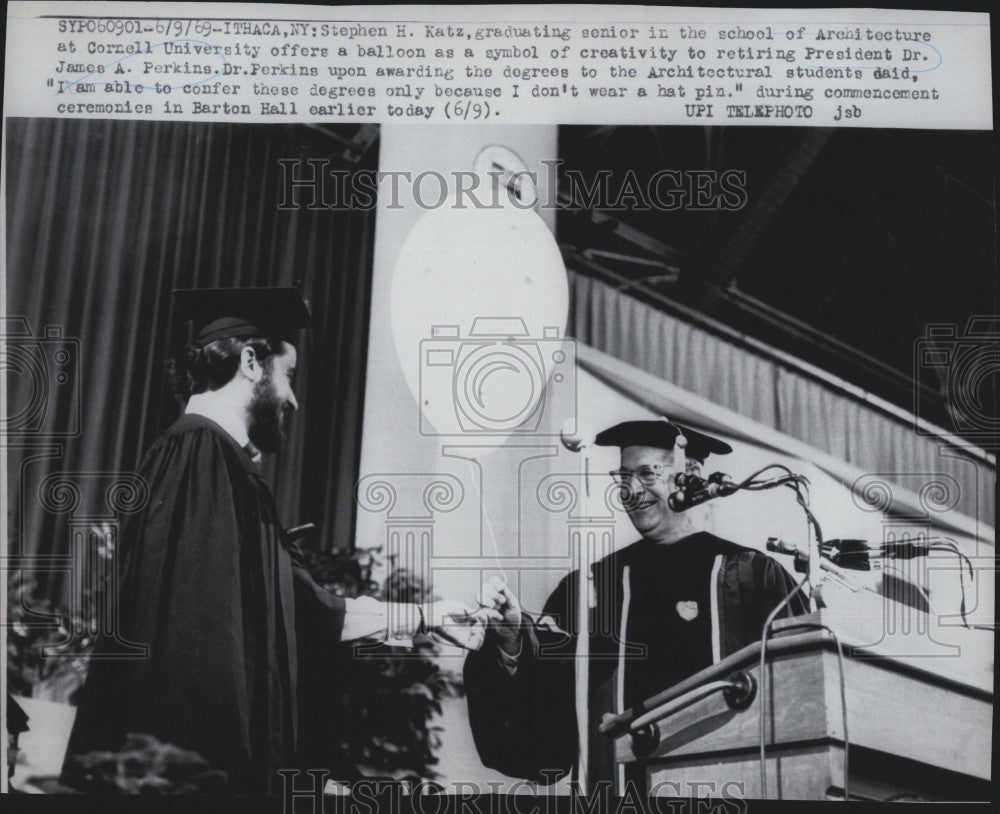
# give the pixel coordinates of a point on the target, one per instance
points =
(675, 602)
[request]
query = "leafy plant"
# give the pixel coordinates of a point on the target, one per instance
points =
(376, 717)
(368, 713)
(48, 646)
(143, 766)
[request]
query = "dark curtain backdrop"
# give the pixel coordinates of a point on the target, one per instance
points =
(104, 219)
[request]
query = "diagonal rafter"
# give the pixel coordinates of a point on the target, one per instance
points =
(723, 267)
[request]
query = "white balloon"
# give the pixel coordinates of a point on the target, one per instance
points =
(478, 305)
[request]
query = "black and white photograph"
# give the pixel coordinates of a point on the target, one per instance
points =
(386, 462)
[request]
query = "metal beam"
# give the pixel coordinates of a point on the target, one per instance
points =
(723, 267)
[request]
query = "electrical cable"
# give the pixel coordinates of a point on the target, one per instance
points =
(763, 677)
(941, 544)
(923, 547)
(800, 485)
(843, 689)
(797, 483)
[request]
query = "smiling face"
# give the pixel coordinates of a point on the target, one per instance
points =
(647, 505)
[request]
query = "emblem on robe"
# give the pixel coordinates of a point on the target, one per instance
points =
(687, 609)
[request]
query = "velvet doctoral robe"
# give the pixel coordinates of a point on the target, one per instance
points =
(681, 608)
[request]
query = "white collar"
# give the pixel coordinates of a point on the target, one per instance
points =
(205, 405)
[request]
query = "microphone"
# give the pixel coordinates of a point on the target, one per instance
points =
(694, 490)
(905, 550)
(858, 554)
(779, 546)
(801, 563)
(853, 554)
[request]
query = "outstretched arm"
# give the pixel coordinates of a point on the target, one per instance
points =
(397, 623)
(520, 690)
(394, 623)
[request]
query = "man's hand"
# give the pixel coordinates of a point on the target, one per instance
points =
(454, 623)
(502, 613)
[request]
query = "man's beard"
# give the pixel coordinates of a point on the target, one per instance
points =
(267, 417)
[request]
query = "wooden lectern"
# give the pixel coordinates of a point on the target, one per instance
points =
(919, 716)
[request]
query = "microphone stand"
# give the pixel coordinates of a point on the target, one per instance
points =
(815, 565)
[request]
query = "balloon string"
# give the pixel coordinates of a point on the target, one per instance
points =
(486, 518)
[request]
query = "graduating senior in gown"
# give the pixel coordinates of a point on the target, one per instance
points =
(208, 580)
(663, 608)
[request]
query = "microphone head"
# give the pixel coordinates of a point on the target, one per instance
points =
(849, 546)
(576, 434)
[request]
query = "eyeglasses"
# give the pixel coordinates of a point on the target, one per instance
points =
(646, 475)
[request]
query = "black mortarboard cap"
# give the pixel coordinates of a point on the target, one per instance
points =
(661, 433)
(224, 313)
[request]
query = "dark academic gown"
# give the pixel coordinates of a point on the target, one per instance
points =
(208, 583)
(686, 606)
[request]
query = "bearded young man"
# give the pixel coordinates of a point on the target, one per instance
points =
(208, 579)
(663, 608)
